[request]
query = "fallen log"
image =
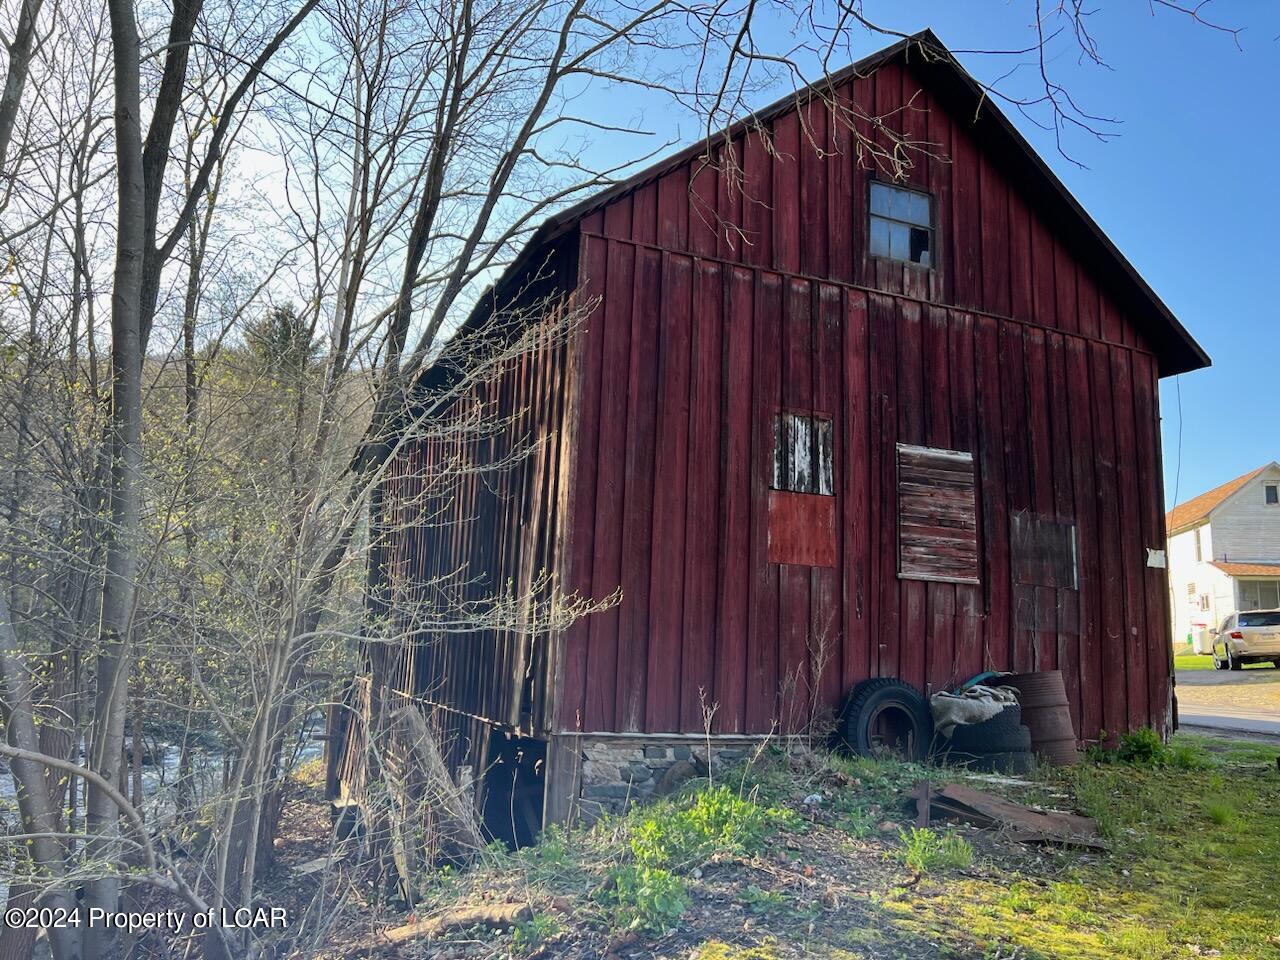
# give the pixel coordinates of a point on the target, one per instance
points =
(495, 916)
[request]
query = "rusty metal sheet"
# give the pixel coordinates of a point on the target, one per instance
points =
(802, 529)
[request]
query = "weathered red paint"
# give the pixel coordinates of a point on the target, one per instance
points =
(721, 304)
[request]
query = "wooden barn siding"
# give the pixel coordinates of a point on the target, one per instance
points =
(691, 356)
(1058, 425)
(458, 531)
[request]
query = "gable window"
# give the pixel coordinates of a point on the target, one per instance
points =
(802, 454)
(901, 225)
(1271, 494)
(937, 515)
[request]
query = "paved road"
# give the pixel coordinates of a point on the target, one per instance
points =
(1220, 701)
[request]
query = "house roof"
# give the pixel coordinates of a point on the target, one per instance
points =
(1198, 508)
(934, 65)
(1248, 569)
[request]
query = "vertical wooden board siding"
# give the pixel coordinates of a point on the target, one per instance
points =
(1017, 473)
(794, 602)
(617, 218)
(884, 529)
(1155, 583)
(1064, 508)
(762, 633)
(1044, 304)
(785, 208)
(940, 401)
(736, 526)
(914, 124)
(671, 479)
(637, 525)
(729, 199)
(940, 169)
(966, 219)
(857, 533)
(842, 176)
(704, 187)
(1132, 554)
(994, 504)
(859, 163)
(697, 683)
(644, 214)
(969, 621)
(571, 699)
(1110, 584)
(606, 564)
(1064, 281)
(814, 226)
(1088, 314)
(995, 237)
(757, 200)
(887, 274)
(1044, 653)
(1089, 663)
(1022, 271)
(673, 209)
(826, 621)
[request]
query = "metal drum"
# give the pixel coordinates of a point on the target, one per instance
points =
(1047, 714)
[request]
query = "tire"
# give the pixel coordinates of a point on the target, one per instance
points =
(1016, 762)
(982, 738)
(1218, 664)
(1234, 662)
(885, 715)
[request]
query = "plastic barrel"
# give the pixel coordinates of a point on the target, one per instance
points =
(1047, 714)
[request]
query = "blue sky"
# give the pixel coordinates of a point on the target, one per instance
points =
(1186, 189)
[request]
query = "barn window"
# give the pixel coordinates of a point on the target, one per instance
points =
(802, 454)
(937, 515)
(1044, 551)
(901, 224)
(1272, 494)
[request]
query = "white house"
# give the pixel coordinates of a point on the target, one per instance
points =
(1224, 554)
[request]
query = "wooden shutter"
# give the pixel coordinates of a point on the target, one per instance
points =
(937, 515)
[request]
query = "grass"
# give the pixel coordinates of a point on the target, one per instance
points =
(926, 851)
(1196, 661)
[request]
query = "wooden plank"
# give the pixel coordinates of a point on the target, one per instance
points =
(1132, 547)
(1089, 663)
(644, 214)
(1044, 291)
(1065, 271)
(704, 189)
(617, 218)
(814, 164)
(757, 200)
(637, 527)
(888, 274)
(1022, 277)
(942, 288)
(1159, 652)
(736, 522)
(671, 479)
(994, 504)
(673, 209)
(841, 167)
(729, 199)
(911, 417)
(698, 681)
(966, 223)
(762, 633)
(857, 531)
(786, 193)
(994, 192)
(1060, 420)
(794, 600)
(1044, 651)
(1111, 582)
(606, 576)
(827, 616)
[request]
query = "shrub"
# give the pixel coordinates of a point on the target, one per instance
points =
(648, 898)
(923, 850)
(686, 833)
(1142, 748)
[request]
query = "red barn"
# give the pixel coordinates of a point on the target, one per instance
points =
(820, 425)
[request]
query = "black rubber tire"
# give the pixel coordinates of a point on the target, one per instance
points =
(1218, 664)
(982, 738)
(892, 701)
(1234, 662)
(1015, 763)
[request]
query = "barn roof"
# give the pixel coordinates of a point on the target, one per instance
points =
(933, 64)
(1199, 508)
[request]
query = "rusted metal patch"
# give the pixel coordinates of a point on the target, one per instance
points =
(802, 529)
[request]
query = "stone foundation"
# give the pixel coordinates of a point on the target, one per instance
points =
(620, 770)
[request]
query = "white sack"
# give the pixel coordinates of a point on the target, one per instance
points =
(974, 705)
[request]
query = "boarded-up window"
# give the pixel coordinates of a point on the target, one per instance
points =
(1043, 551)
(802, 454)
(937, 515)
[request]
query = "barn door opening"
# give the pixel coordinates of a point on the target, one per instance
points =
(513, 788)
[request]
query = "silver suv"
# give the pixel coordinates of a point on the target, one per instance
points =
(1252, 637)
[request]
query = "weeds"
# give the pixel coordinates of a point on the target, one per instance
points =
(646, 898)
(924, 851)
